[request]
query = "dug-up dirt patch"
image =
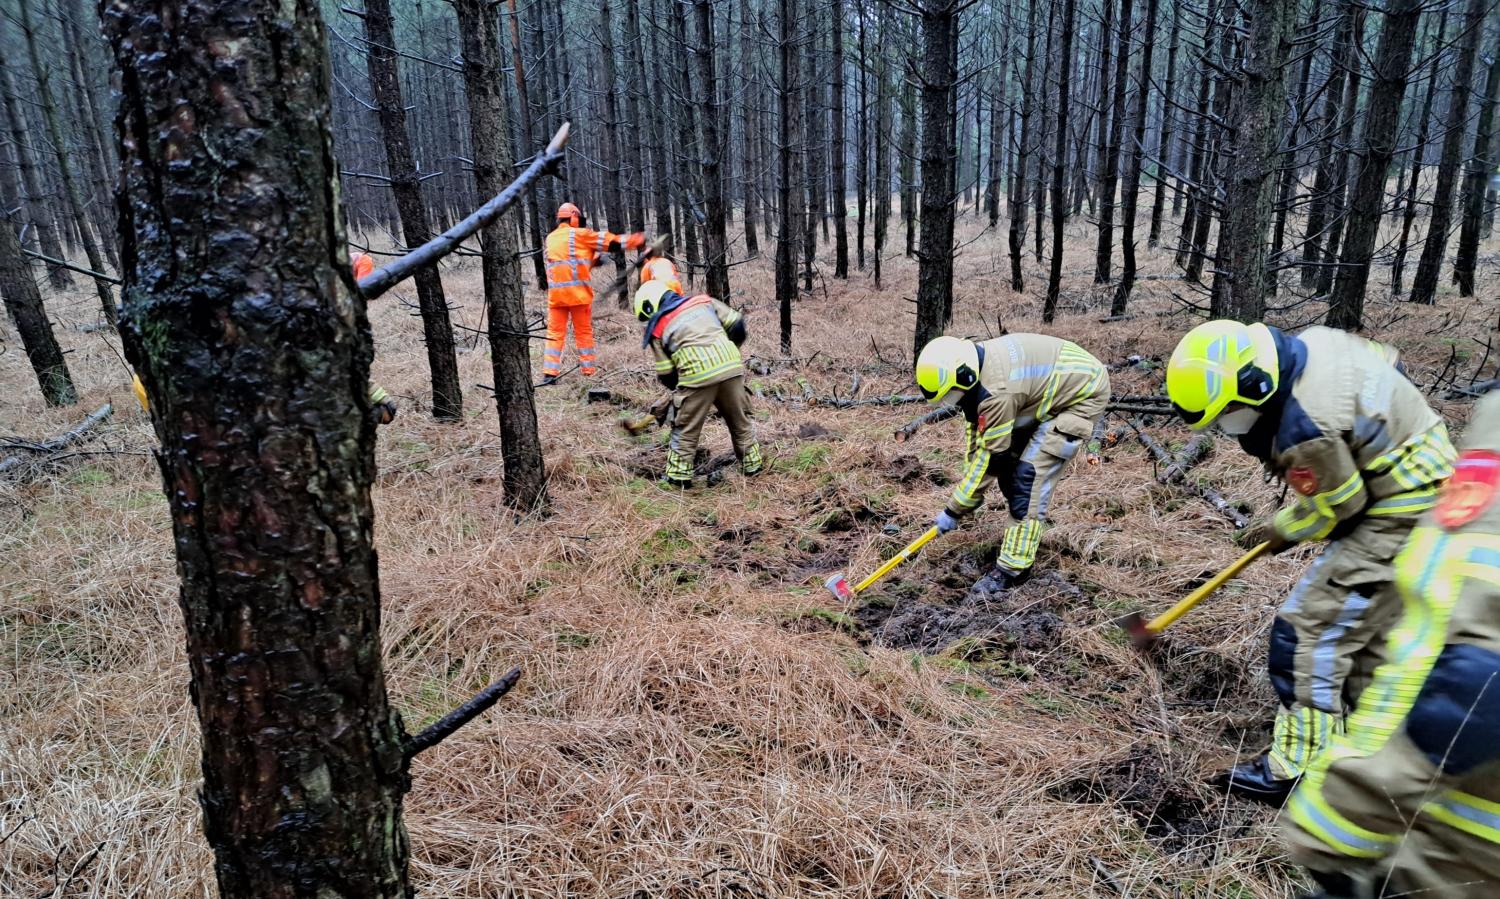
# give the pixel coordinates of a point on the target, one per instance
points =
(996, 623)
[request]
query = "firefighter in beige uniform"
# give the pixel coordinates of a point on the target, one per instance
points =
(696, 342)
(1408, 800)
(1029, 401)
(1330, 413)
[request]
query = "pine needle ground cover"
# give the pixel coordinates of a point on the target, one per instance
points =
(697, 716)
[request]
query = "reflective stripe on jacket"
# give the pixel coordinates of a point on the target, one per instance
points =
(692, 339)
(571, 253)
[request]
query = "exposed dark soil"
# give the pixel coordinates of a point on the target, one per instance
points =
(1198, 675)
(996, 624)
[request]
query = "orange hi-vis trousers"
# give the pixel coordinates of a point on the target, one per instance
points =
(557, 333)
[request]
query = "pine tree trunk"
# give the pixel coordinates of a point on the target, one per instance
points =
(714, 232)
(87, 122)
(1250, 191)
(258, 390)
(811, 163)
(37, 210)
(1110, 158)
(788, 129)
(528, 140)
(1137, 155)
(1424, 285)
(660, 171)
(635, 85)
(24, 304)
(1289, 168)
(1164, 135)
(1424, 122)
(71, 192)
(1019, 186)
(525, 479)
(1378, 147)
(1337, 208)
(380, 57)
(1054, 278)
(1102, 86)
(1476, 181)
(837, 150)
(1039, 187)
(1197, 169)
(862, 164)
(883, 138)
(907, 155)
(750, 159)
(935, 258)
(1329, 161)
(613, 209)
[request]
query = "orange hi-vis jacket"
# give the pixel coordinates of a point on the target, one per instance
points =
(571, 254)
(662, 269)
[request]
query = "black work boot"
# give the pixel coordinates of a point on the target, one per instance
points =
(1254, 780)
(999, 580)
(547, 381)
(673, 484)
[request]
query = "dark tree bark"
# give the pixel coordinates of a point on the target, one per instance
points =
(1039, 186)
(528, 140)
(635, 85)
(1251, 191)
(715, 238)
(613, 209)
(750, 159)
(862, 165)
(1377, 147)
(1289, 167)
(1110, 175)
(525, 479)
(24, 304)
(1019, 191)
(257, 365)
(1164, 135)
(38, 211)
(935, 257)
(1476, 181)
(1424, 285)
(1054, 278)
(380, 56)
(883, 99)
(811, 161)
(1099, 83)
(1137, 155)
(1329, 162)
(1337, 198)
(71, 191)
(1424, 122)
(87, 125)
(907, 153)
(789, 129)
(660, 157)
(1197, 168)
(837, 150)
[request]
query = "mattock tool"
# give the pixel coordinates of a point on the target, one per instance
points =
(1144, 633)
(838, 585)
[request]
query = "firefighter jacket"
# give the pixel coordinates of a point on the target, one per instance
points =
(571, 254)
(1420, 762)
(1025, 380)
(695, 341)
(1349, 433)
(662, 269)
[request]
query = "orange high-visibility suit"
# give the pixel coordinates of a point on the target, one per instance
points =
(571, 254)
(661, 269)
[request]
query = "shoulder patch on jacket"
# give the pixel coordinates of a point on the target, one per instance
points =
(1303, 480)
(1471, 489)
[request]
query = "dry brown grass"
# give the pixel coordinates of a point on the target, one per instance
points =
(695, 719)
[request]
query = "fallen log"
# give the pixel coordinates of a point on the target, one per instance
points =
(57, 444)
(941, 413)
(1207, 494)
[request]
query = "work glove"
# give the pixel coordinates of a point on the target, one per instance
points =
(634, 241)
(1264, 531)
(945, 522)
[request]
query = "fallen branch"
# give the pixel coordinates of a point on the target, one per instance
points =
(71, 267)
(1140, 409)
(1207, 494)
(57, 444)
(398, 270)
(942, 413)
(445, 727)
(1198, 449)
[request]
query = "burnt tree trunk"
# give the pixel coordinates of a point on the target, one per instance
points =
(935, 257)
(788, 130)
(1424, 285)
(525, 480)
(1110, 175)
(837, 150)
(1378, 146)
(38, 211)
(72, 194)
(24, 304)
(1059, 213)
(437, 332)
(257, 364)
(1137, 157)
(1476, 181)
(715, 238)
(1250, 191)
(1019, 190)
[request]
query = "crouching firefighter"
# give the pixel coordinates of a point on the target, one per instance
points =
(1029, 402)
(1329, 413)
(696, 343)
(1407, 801)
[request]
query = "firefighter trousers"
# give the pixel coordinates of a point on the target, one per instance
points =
(1027, 475)
(1330, 635)
(558, 318)
(693, 405)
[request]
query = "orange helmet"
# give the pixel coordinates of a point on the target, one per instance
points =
(569, 213)
(362, 265)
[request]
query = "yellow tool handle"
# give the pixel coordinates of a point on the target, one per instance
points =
(1165, 619)
(897, 559)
